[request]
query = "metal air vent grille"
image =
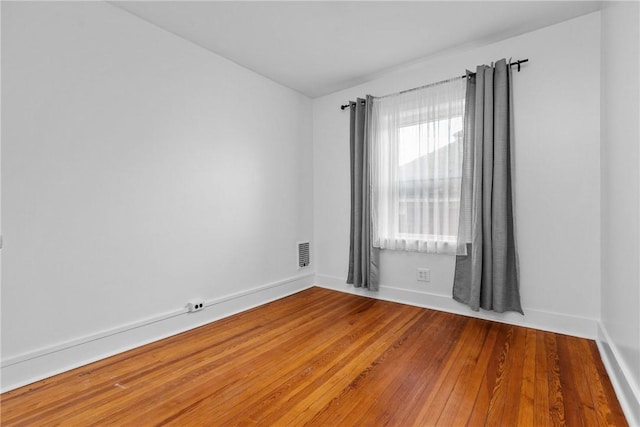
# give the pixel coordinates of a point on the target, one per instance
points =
(303, 254)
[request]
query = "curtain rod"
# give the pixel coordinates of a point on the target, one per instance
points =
(516, 63)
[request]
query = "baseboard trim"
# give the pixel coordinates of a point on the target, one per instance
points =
(627, 390)
(536, 319)
(26, 368)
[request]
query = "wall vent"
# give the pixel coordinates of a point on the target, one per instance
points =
(303, 254)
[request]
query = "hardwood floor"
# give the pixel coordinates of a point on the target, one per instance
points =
(326, 358)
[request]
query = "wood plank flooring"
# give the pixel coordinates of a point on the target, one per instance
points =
(325, 358)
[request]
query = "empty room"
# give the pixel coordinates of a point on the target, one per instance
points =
(325, 213)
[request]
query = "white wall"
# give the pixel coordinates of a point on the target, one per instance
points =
(620, 136)
(138, 171)
(557, 107)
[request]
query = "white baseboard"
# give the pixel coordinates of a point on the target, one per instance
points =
(27, 368)
(627, 389)
(537, 319)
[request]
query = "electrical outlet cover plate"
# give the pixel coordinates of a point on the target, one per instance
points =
(195, 305)
(424, 275)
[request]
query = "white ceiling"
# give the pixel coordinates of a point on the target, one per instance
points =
(319, 47)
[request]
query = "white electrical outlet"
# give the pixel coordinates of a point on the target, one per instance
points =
(424, 275)
(195, 305)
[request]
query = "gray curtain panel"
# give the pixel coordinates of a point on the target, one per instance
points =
(487, 276)
(363, 257)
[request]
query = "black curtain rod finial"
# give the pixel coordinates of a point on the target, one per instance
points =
(522, 61)
(345, 106)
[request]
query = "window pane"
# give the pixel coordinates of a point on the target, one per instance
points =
(416, 167)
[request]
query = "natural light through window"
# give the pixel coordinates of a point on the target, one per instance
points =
(417, 152)
(420, 140)
(428, 181)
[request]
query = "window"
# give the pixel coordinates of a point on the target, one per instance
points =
(416, 168)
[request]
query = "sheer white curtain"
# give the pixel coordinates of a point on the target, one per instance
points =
(416, 168)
